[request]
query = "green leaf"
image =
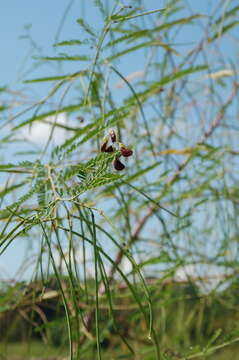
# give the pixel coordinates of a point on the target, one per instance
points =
(10, 189)
(70, 42)
(86, 27)
(69, 108)
(94, 173)
(99, 130)
(163, 258)
(117, 18)
(100, 6)
(154, 88)
(22, 199)
(96, 124)
(57, 78)
(103, 180)
(140, 46)
(181, 21)
(136, 175)
(23, 166)
(222, 31)
(226, 15)
(65, 57)
(133, 35)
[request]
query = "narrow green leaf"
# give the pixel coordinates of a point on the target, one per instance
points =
(56, 78)
(163, 258)
(226, 15)
(103, 180)
(69, 43)
(140, 46)
(86, 26)
(116, 18)
(99, 130)
(222, 31)
(23, 165)
(153, 89)
(9, 189)
(133, 35)
(65, 57)
(69, 108)
(135, 176)
(96, 123)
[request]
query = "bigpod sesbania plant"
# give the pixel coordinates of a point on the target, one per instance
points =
(140, 188)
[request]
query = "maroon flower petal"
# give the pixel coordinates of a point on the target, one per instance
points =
(109, 149)
(118, 164)
(126, 152)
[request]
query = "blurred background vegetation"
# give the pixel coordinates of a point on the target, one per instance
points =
(132, 261)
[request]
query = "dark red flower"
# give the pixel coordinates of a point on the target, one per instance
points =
(118, 164)
(126, 152)
(109, 149)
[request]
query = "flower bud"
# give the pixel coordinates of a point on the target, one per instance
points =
(113, 136)
(104, 144)
(126, 152)
(118, 164)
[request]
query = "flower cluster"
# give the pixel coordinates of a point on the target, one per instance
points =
(113, 147)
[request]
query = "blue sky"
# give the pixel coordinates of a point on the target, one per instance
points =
(45, 19)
